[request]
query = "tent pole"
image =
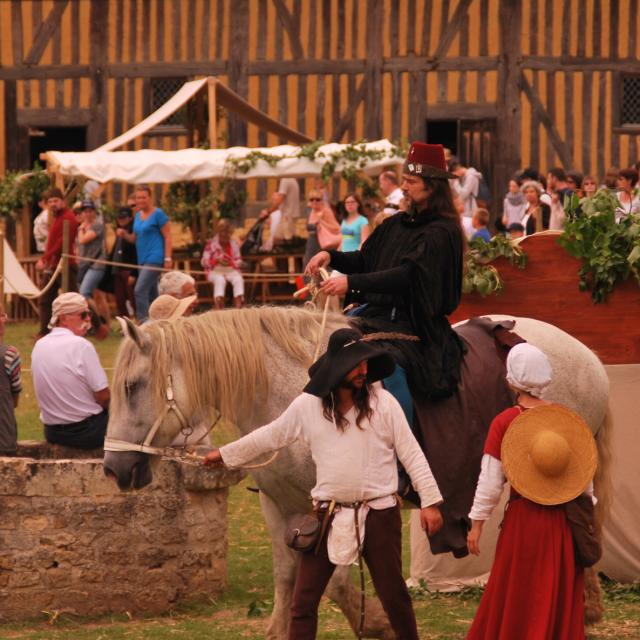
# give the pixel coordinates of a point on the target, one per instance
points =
(213, 127)
(65, 260)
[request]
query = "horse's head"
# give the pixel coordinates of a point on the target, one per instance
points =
(148, 405)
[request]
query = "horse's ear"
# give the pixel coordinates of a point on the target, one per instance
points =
(129, 329)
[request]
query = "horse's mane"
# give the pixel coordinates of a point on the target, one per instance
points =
(221, 353)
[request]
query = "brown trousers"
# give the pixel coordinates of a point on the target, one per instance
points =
(382, 551)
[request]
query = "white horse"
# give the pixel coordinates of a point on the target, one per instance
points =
(250, 364)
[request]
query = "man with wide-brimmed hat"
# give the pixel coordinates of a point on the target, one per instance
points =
(407, 276)
(356, 433)
(548, 455)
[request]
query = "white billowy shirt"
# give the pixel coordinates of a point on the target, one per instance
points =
(393, 201)
(351, 465)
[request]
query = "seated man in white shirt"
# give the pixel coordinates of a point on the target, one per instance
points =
(356, 434)
(70, 384)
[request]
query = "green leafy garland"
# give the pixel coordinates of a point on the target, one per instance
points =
(482, 277)
(609, 251)
(18, 188)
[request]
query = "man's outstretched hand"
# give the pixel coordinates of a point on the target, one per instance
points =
(212, 458)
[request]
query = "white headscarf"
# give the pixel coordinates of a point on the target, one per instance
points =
(528, 369)
(66, 304)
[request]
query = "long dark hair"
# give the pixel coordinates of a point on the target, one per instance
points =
(440, 202)
(361, 402)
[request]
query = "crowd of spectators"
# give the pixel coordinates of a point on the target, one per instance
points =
(70, 384)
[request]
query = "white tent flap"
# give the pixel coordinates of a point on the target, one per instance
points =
(152, 166)
(16, 279)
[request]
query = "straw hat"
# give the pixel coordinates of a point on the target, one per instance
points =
(167, 307)
(549, 455)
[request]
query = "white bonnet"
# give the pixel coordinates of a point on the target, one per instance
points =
(528, 369)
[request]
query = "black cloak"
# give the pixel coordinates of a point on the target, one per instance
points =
(409, 275)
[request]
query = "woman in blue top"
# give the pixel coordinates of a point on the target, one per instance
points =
(355, 227)
(152, 235)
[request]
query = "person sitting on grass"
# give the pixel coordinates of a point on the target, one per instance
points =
(480, 221)
(70, 384)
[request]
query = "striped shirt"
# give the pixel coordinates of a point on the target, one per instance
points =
(12, 367)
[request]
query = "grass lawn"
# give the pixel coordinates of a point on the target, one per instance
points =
(242, 610)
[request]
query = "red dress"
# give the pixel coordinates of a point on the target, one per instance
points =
(535, 591)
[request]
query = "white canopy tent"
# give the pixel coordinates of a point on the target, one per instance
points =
(152, 166)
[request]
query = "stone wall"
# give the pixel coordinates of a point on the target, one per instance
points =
(70, 541)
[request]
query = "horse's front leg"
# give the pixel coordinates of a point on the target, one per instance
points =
(344, 593)
(285, 564)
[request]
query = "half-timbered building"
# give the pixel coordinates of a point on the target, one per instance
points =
(504, 83)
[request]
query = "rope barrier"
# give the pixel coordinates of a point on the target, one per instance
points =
(50, 283)
(130, 266)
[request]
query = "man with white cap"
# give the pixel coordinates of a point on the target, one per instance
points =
(69, 382)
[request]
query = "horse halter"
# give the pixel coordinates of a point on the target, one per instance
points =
(114, 444)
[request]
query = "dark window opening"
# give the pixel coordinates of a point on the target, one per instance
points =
(162, 89)
(630, 102)
(444, 132)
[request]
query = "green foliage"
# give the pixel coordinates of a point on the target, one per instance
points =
(609, 252)
(422, 592)
(482, 277)
(18, 188)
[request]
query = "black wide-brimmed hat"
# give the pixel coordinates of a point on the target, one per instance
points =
(347, 348)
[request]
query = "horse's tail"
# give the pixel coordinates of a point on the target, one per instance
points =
(593, 605)
(602, 481)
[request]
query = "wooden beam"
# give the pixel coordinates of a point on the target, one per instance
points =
(292, 29)
(45, 72)
(373, 70)
(462, 111)
(453, 27)
(16, 31)
(98, 57)
(347, 117)
(16, 137)
(238, 59)
(51, 117)
(46, 29)
(508, 101)
(167, 69)
(579, 63)
(538, 108)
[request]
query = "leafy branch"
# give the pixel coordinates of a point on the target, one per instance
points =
(18, 188)
(482, 277)
(609, 251)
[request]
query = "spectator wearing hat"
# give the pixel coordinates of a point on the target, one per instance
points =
(179, 285)
(166, 307)
(124, 252)
(340, 415)
(10, 388)
(90, 247)
(69, 382)
(49, 261)
(548, 455)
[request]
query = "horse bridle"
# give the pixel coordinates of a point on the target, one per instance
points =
(114, 444)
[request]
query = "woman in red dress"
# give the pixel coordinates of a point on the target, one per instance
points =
(536, 590)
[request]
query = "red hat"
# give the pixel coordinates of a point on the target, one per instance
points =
(427, 160)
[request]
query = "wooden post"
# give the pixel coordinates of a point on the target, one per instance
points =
(23, 232)
(508, 101)
(212, 105)
(65, 260)
(2, 267)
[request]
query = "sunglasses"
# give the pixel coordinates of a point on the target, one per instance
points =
(84, 315)
(315, 199)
